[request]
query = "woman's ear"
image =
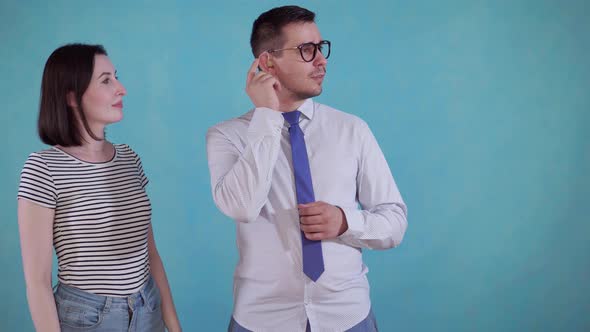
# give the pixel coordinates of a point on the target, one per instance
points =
(71, 100)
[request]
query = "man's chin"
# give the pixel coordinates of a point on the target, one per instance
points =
(310, 94)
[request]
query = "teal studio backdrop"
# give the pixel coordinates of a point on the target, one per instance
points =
(480, 107)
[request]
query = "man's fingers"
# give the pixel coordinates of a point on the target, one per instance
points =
(312, 204)
(312, 220)
(315, 236)
(312, 228)
(310, 209)
(252, 71)
(263, 78)
(316, 203)
(277, 86)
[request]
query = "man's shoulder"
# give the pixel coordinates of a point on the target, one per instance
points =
(339, 116)
(234, 124)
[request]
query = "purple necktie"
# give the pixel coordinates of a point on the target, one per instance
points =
(313, 261)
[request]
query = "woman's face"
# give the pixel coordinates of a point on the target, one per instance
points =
(102, 102)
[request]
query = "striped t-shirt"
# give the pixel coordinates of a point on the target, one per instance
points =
(102, 217)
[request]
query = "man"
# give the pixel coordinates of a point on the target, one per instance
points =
(292, 173)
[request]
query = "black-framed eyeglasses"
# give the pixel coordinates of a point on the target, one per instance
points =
(308, 51)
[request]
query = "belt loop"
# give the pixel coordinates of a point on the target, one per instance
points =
(107, 305)
(146, 289)
(143, 296)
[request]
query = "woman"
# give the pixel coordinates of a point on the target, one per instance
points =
(86, 197)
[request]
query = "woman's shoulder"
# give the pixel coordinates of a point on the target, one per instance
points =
(123, 148)
(125, 151)
(43, 155)
(47, 152)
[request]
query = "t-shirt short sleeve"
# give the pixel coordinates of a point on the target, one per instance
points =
(142, 177)
(36, 182)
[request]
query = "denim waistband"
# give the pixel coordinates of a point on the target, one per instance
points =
(142, 296)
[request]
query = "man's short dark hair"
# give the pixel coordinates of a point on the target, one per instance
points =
(67, 70)
(267, 29)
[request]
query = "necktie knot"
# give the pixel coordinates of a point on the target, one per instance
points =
(292, 117)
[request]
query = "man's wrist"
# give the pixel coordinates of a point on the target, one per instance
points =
(344, 223)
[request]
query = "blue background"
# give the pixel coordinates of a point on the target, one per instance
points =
(481, 108)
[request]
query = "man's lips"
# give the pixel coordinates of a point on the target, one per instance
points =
(118, 105)
(318, 74)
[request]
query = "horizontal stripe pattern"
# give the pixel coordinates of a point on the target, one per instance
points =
(102, 217)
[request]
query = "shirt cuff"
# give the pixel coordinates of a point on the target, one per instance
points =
(265, 122)
(355, 221)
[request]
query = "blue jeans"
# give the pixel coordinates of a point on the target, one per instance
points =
(368, 324)
(83, 311)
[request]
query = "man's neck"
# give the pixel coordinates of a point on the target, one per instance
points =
(290, 106)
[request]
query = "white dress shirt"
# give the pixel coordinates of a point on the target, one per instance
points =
(252, 182)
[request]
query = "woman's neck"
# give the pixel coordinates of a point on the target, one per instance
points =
(91, 150)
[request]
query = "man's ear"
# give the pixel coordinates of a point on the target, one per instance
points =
(71, 100)
(265, 63)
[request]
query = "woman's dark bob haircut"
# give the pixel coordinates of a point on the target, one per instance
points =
(67, 74)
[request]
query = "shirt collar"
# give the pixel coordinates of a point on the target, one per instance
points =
(307, 108)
